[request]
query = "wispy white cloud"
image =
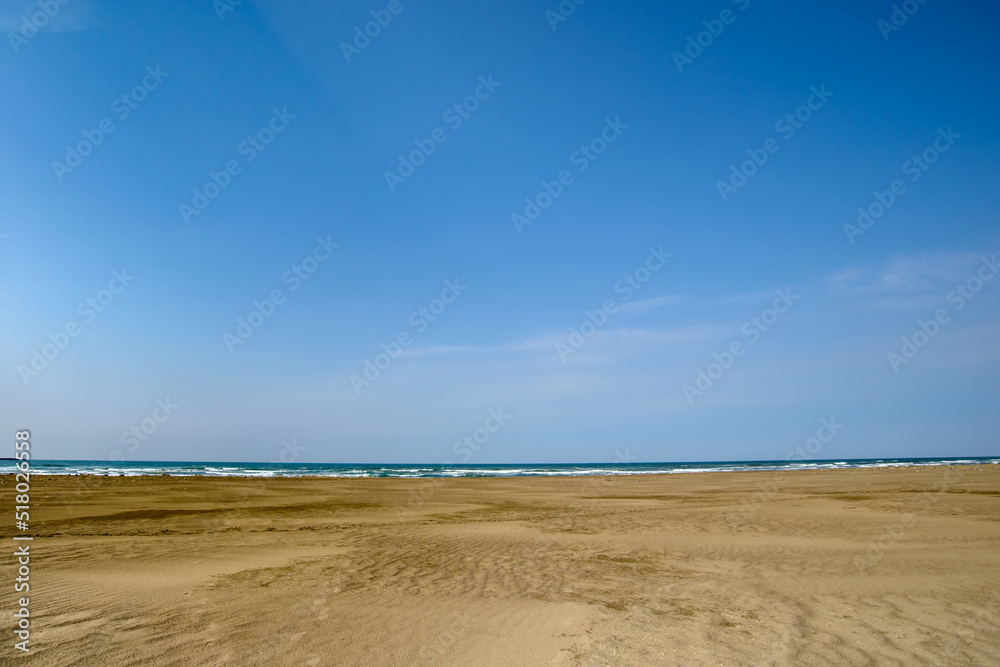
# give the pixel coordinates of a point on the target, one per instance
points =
(698, 302)
(645, 305)
(623, 340)
(512, 346)
(907, 282)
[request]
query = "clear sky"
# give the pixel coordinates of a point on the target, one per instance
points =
(509, 167)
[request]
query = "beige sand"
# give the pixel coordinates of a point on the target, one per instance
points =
(852, 567)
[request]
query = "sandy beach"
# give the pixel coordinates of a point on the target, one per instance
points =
(890, 566)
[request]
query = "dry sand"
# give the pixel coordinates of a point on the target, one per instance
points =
(850, 567)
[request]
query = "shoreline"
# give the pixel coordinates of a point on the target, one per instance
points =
(495, 471)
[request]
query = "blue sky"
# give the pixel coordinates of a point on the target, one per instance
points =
(597, 100)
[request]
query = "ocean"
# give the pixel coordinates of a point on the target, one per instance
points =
(230, 469)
